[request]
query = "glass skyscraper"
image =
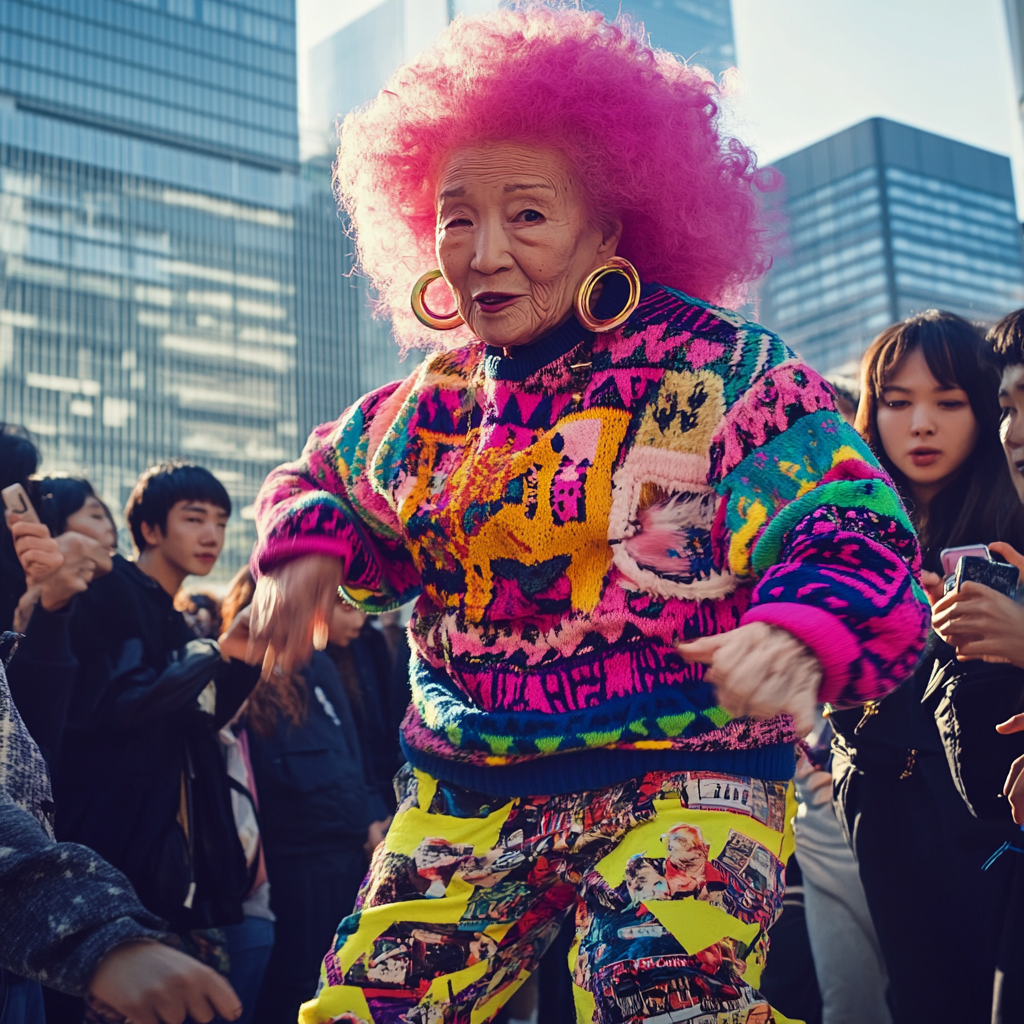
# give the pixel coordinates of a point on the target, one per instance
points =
(884, 220)
(699, 31)
(149, 180)
(343, 351)
(348, 68)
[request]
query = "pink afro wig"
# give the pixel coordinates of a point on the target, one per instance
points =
(639, 130)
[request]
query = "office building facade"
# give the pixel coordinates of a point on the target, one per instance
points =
(148, 183)
(883, 220)
(343, 351)
(349, 68)
(699, 31)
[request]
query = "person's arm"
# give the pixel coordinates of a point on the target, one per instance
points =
(811, 516)
(326, 522)
(74, 923)
(43, 675)
(63, 907)
(42, 678)
(326, 504)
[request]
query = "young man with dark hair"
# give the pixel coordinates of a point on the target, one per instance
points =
(177, 514)
(982, 623)
(141, 778)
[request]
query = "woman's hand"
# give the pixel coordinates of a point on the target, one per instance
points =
(981, 623)
(291, 612)
(1011, 554)
(1013, 788)
(57, 569)
(84, 560)
(760, 671)
(149, 983)
(37, 551)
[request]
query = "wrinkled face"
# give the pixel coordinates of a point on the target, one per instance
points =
(1011, 425)
(194, 537)
(514, 240)
(92, 520)
(926, 429)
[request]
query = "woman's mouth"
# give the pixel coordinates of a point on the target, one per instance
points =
(492, 302)
(925, 456)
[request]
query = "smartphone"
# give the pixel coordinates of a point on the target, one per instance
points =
(951, 556)
(997, 575)
(16, 502)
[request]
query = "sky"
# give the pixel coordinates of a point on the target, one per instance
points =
(809, 68)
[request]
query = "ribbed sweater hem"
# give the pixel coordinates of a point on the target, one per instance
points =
(587, 770)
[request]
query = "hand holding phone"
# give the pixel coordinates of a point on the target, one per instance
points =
(983, 620)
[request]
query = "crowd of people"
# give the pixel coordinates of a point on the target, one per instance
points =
(170, 762)
(653, 567)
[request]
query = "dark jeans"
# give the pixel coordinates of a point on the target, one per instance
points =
(309, 895)
(249, 947)
(21, 1000)
(939, 917)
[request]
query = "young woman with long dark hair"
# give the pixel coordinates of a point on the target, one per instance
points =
(929, 409)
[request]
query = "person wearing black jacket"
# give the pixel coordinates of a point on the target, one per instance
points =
(141, 778)
(71, 920)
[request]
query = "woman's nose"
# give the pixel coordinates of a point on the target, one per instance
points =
(491, 252)
(923, 422)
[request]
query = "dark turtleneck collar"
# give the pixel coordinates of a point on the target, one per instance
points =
(528, 359)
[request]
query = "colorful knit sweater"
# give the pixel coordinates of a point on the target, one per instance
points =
(567, 513)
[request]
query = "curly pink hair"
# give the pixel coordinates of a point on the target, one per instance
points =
(639, 130)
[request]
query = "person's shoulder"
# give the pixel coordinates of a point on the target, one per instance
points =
(690, 338)
(675, 330)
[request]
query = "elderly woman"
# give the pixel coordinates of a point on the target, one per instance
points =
(600, 467)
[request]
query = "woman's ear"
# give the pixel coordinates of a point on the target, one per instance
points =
(611, 235)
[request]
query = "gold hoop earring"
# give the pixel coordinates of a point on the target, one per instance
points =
(581, 300)
(425, 316)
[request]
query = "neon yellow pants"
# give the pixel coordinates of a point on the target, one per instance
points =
(674, 879)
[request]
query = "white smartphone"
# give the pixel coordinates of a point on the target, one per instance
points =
(951, 556)
(16, 502)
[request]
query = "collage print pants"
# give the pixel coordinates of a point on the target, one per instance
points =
(673, 878)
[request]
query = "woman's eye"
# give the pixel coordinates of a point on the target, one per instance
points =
(458, 222)
(530, 216)
(897, 403)
(952, 404)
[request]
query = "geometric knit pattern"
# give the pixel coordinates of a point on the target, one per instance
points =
(567, 514)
